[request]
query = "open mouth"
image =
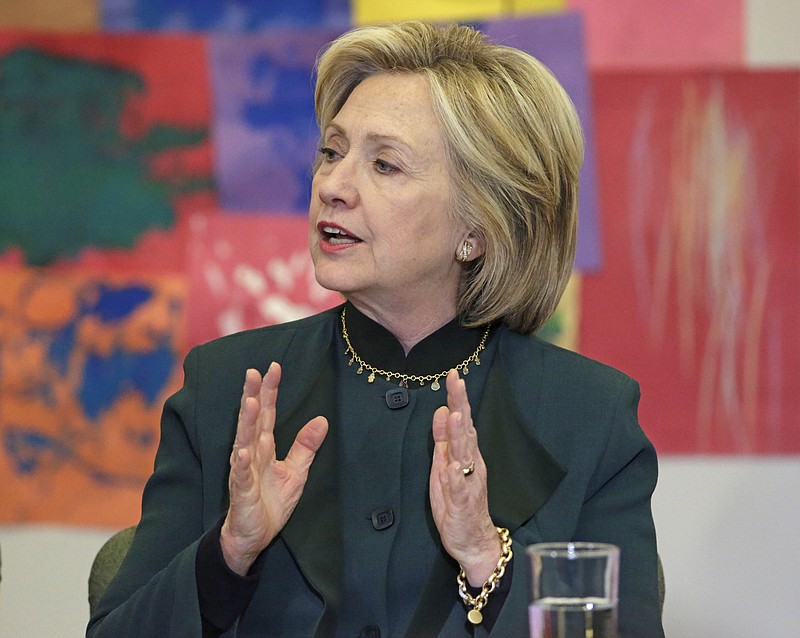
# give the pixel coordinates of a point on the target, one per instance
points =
(336, 235)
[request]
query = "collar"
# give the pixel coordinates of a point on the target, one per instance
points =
(441, 350)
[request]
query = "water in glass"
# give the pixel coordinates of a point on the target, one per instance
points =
(553, 617)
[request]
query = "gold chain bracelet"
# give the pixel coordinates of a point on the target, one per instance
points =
(478, 602)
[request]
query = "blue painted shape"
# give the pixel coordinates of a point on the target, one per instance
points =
(106, 379)
(220, 15)
(62, 345)
(150, 372)
(265, 133)
(115, 303)
(29, 449)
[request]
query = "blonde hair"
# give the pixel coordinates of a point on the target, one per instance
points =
(514, 145)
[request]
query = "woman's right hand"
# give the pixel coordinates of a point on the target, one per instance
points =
(263, 490)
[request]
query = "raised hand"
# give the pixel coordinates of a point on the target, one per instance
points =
(459, 497)
(263, 490)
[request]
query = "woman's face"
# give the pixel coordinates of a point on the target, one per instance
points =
(381, 225)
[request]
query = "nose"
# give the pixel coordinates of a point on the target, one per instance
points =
(335, 183)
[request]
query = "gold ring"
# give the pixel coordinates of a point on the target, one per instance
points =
(469, 469)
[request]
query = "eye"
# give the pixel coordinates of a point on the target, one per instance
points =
(328, 154)
(384, 167)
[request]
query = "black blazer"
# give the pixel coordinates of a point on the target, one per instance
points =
(566, 460)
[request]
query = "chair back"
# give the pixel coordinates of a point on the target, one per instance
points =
(107, 562)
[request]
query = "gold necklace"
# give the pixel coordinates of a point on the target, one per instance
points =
(462, 367)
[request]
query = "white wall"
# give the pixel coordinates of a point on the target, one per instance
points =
(45, 571)
(727, 528)
(728, 537)
(771, 32)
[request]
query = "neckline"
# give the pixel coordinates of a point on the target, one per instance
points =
(443, 349)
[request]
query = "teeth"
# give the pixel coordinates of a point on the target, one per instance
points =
(338, 236)
(342, 240)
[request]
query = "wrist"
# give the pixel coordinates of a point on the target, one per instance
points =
(479, 566)
(479, 573)
(478, 602)
(235, 553)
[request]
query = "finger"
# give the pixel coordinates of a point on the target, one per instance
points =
(449, 438)
(311, 436)
(242, 484)
(252, 384)
(306, 444)
(457, 399)
(241, 476)
(269, 395)
(264, 441)
(248, 413)
(460, 487)
(458, 448)
(440, 424)
(264, 450)
(440, 441)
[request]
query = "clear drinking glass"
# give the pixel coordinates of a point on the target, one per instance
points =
(574, 590)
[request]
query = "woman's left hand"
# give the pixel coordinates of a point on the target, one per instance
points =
(459, 501)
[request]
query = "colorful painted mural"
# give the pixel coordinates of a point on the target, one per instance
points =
(154, 176)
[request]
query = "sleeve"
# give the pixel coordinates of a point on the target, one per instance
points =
(497, 598)
(223, 594)
(510, 615)
(617, 510)
(605, 498)
(154, 594)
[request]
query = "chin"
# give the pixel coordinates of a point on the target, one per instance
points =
(328, 278)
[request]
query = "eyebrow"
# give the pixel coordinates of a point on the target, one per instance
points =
(371, 137)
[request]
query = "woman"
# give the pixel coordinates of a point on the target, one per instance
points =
(421, 437)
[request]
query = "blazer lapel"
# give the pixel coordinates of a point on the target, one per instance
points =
(521, 471)
(521, 474)
(313, 532)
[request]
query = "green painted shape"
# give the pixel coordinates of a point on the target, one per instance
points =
(68, 177)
